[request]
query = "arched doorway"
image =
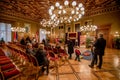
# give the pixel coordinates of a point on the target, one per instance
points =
(105, 30)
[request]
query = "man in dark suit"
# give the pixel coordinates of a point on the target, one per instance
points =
(99, 49)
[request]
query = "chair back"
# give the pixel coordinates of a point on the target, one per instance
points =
(61, 50)
(51, 54)
(34, 60)
(55, 50)
(2, 52)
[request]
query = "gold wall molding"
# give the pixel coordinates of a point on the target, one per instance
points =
(100, 11)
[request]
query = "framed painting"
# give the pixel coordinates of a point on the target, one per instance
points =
(72, 35)
(68, 28)
(27, 27)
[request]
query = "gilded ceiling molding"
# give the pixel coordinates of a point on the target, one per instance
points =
(101, 11)
(36, 10)
(12, 18)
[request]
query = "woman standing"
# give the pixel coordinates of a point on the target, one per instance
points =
(70, 48)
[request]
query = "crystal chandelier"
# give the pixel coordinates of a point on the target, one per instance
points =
(88, 28)
(67, 12)
(49, 23)
(18, 29)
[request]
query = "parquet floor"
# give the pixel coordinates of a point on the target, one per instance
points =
(74, 70)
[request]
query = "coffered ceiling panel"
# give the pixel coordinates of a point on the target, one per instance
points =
(38, 9)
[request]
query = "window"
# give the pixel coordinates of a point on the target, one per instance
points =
(77, 27)
(42, 34)
(5, 32)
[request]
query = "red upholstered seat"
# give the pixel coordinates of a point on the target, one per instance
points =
(4, 59)
(7, 67)
(5, 62)
(11, 73)
(45, 48)
(62, 52)
(52, 56)
(55, 50)
(49, 48)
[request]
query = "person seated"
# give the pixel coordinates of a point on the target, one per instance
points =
(42, 59)
(29, 49)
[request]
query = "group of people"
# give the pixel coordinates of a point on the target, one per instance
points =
(70, 46)
(98, 49)
(40, 55)
(28, 39)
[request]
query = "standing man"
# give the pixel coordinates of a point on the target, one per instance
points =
(99, 49)
(70, 48)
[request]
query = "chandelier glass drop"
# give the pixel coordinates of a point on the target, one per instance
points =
(70, 11)
(88, 28)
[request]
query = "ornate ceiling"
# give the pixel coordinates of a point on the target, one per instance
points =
(37, 10)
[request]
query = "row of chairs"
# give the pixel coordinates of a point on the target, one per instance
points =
(8, 70)
(57, 56)
(27, 64)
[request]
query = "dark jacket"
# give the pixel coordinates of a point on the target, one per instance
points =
(100, 46)
(70, 47)
(41, 56)
(22, 42)
(30, 51)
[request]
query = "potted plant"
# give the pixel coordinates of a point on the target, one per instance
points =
(117, 42)
(88, 42)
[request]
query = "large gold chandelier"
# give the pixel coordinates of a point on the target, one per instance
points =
(70, 11)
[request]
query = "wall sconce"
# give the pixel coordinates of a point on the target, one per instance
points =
(45, 32)
(116, 34)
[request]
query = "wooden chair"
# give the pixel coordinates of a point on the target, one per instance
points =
(5, 62)
(7, 67)
(34, 68)
(10, 75)
(53, 58)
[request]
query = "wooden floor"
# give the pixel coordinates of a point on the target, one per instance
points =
(74, 70)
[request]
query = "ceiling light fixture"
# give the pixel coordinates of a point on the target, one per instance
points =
(88, 28)
(49, 23)
(66, 13)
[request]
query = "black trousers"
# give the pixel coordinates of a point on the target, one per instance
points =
(100, 61)
(77, 57)
(47, 68)
(94, 60)
(70, 56)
